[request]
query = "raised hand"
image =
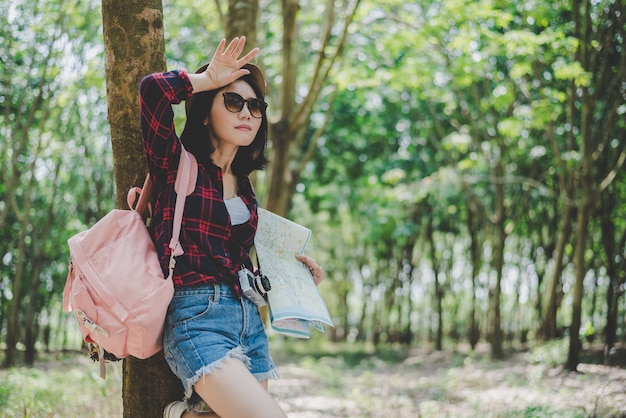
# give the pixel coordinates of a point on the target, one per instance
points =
(225, 66)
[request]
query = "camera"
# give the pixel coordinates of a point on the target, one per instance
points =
(254, 287)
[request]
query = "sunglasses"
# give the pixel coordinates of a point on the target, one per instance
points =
(234, 103)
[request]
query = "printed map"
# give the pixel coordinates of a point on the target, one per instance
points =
(294, 301)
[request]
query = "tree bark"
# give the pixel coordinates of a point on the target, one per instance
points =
(134, 47)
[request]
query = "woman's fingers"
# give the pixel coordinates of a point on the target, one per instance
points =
(316, 270)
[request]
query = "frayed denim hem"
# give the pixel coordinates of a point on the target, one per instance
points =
(272, 374)
(236, 352)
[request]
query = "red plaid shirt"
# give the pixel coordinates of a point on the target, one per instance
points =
(214, 249)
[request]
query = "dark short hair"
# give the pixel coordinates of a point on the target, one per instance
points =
(194, 135)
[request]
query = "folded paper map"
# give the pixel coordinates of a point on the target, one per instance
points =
(294, 301)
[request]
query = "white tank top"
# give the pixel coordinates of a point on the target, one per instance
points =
(237, 210)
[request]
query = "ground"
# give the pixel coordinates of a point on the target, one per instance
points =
(446, 384)
(346, 382)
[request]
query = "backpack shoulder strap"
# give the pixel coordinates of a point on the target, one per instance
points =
(187, 165)
(186, 178)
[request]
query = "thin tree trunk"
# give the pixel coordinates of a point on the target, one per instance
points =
(549, 324)
(38, 257)
(407, 302)
(33, 306)
(612, 246)
(475, 254)
(439, 292)
(495, 332)
(575, 346)
(361, 334)
(241, 20)
(582, 226)
(291, 147)
(495, 318)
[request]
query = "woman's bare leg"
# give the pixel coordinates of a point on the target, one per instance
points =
(232, 392)
(191, 414)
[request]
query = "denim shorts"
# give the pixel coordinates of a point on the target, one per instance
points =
(208, 324)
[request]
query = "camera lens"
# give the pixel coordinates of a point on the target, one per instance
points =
(262, 284)
(265, 282)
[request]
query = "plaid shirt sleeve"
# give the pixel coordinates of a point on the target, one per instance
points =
(157, 93)
(214, 249)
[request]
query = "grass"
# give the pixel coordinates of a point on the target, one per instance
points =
(60, 386)
(326, 380)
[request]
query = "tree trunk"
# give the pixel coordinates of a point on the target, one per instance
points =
(594, 101)
(495, 319)
(439, 291)
(31, 327)
(495, 325)
(38, 260)
(291, 147)
(134, 47)
(148, 386)
(406, 333)
(475, 254)
(361, 333)
(579, 270)
(612, 246)
(617, 278)
(242, 21)
(549, 325)
(582, 223)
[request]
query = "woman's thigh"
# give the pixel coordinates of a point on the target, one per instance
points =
(232, 391)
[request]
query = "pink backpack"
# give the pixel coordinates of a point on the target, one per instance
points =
(115, 285)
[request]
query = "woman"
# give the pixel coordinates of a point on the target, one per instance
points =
(214, 338)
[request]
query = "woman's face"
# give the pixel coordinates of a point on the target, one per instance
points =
(235, 128)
